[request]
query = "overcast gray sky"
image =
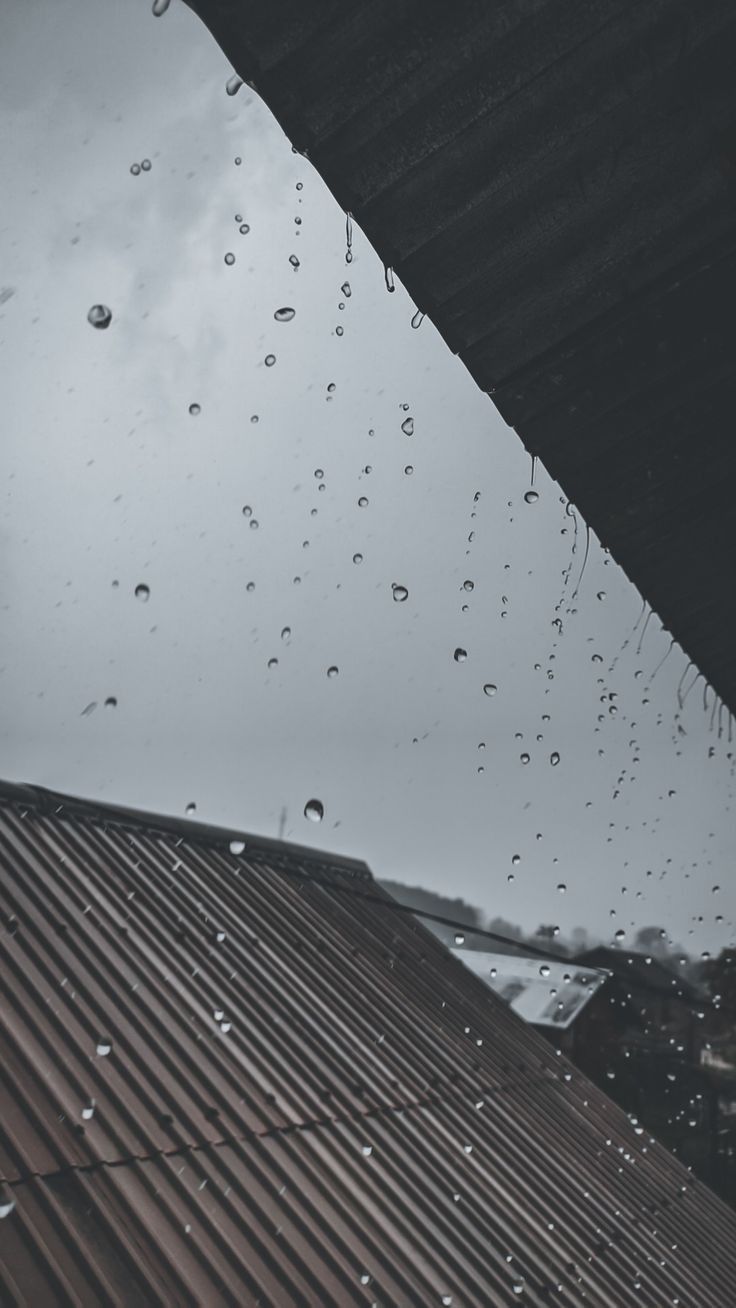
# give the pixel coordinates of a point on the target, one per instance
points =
(110, 483)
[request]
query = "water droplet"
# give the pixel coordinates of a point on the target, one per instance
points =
(357, 558)
(273, 663)
(247, 510)
(561, 887)
(159, 7)
(333, 671)
(468, 585)
(233, 84)
(620, 934)
(460, 655)
(407, 426)
(365, 1278)
(388, 274)
(229, 258)
(294, 262)
(104, 1046)
(285, 315)
(195, 409)
(7, 1204)
(524, 759)
(143, 592)
(190, 809)
(244, 228)
(554, 759)
(111, 702)
(544, 970)
(237, 161)
(100, 316)
(363, 502)
(408, 470)
(459, 938)
(225, 1027)
(367, 1150)
(531, 497)
(601, 595)
(314, 810)
(467, 1148)
(88, 1111)
(135, 169)
(346, 290)
(446, 1299)
(146, 165)
(516, 859)
(518, 1287)
(270, 360)
(400, 593)
(489, 688)
(418, 319)
(286, 634)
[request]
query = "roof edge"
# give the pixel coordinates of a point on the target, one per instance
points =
(50, 802)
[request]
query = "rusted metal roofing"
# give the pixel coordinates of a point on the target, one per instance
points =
(231, 1074)
(555, 184)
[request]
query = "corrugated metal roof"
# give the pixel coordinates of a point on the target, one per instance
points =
(555, 185)
(241, 1078)
(546, 994)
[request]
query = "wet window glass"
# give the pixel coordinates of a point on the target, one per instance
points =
(273, 561)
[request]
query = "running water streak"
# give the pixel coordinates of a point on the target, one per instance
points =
(644, 631)
(585, 560)
(662, 660)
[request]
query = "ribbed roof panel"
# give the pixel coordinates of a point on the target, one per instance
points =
(301, 1088)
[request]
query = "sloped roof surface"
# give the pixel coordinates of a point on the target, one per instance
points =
(294, 1087)
(555, 186)
(548, 993)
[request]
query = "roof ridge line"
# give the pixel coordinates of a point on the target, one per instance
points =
(53, 803)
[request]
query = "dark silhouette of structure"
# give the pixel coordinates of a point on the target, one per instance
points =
(555, 186)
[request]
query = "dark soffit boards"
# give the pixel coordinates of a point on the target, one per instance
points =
(555, 185)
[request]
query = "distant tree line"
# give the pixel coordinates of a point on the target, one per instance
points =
(719, 975)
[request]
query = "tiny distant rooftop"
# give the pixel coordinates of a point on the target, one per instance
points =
(542, 992)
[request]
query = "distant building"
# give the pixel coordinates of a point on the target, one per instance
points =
(637, 1030)
(543, 992)
(232, 1072)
